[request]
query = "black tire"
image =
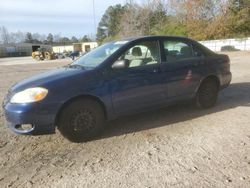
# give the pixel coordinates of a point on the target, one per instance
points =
(37, 58)
(81, 120)
(207, 94)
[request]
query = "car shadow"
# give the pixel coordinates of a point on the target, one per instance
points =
(237, 94)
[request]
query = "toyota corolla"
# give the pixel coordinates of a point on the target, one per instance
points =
(118, 78)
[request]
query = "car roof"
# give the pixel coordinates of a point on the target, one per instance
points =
(154, 37)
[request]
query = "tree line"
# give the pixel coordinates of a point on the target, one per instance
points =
(197, 19)
(7, 37)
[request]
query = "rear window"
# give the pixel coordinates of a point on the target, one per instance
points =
(177, 50)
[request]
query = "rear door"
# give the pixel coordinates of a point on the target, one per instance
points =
(181, 67)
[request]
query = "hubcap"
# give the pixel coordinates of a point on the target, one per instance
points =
(83, 120)
(209, 94)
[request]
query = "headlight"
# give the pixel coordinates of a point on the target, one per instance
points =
(30, 95)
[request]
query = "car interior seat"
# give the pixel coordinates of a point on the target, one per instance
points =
(137, 54)
(154, 56)
(186, 52)
(171, 56)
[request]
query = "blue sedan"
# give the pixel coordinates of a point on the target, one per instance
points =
(116, 79)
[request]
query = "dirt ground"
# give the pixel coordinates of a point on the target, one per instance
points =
(29, 60)
(178, 146)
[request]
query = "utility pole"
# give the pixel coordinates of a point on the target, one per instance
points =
(94, 16)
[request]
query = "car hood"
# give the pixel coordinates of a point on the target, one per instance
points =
(57, 76)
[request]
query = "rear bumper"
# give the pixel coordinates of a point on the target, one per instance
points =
(16, 115)
(226, 80)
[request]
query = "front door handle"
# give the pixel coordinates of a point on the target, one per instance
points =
(156, 70)
(196, 63)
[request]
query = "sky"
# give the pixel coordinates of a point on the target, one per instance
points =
(65, 17)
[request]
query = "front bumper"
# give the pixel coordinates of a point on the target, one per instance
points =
(42, 121)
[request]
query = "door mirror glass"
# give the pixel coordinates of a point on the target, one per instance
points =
(121, 64)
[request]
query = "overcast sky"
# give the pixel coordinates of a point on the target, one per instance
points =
(68, 17)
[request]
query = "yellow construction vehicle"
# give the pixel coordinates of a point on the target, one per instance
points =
(43, 54)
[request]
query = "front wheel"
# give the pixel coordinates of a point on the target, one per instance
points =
(207, 94)
(37, 58)
(81, 120)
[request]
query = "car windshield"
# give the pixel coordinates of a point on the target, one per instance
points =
(95, 57)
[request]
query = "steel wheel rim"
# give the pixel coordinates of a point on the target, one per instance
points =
(82, 120)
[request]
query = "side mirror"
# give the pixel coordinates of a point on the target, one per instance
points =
(121, 64)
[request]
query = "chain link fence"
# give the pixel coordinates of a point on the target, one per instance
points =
(239, 44)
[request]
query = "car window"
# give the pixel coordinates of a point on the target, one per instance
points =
(177, 50)
(198, 52)
(142, 54)
(95, 57)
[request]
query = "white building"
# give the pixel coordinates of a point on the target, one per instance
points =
(81, 47)
(21, 49)
(61, 49)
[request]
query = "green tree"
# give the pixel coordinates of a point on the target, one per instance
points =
(109, 24)
(146, 19)
(4, 35)
(64, 40)
(237, 5)
(85, 38)
(239, 18)
(50, 38)
(198, 19)
(157, 16)
(74, 39)
(29, 38)
(171, 26)
(202, 19)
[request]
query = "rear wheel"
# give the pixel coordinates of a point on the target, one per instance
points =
(207, 94)
(81, 120)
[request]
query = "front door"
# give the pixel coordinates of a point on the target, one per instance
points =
(139, 85)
